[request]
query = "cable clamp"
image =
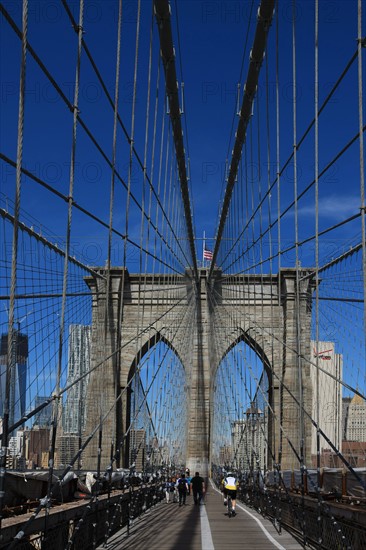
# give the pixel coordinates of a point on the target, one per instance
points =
(78, 28)
(265, 20)
(256, 62)
(45, 502)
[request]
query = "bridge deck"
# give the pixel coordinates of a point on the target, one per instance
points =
(208, 527)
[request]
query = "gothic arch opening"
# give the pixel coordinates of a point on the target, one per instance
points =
(242, 397)
(155, 427)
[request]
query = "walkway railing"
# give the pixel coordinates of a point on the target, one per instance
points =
(83, 524)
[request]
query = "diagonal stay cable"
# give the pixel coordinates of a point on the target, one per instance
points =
(145, 393)
(290, 348)
(265, 14)
(145, 330)
(162, 14)
(4, 214)
(44, 502)
(9, 397)
(75, 204)
(298, 402)
(292, 246)
(122, 125)
(87, 131)
(281, 171)
(303, 192)
(277, 466)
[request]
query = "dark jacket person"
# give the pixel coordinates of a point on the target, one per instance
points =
(198, 488)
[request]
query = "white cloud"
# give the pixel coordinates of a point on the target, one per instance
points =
(333, 206)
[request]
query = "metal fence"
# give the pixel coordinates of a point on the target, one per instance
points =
(88, 526)
(317, 524)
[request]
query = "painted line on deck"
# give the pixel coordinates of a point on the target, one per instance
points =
(267, 533)
(206, 537)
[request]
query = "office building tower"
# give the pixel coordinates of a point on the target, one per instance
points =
(248, 440)
(18, 375)
(37, 444)
(68, 446)
(356, 425)
(226, 455)
(138, 449)
(78, 365)
(327, 387)
(345, 407)
(16, 443)
(44, 417)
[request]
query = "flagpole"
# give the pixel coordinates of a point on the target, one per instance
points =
(203, 248)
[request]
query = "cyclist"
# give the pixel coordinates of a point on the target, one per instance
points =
(230, 485)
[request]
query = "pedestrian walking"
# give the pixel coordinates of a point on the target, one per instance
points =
(182, 487)
(198, 488)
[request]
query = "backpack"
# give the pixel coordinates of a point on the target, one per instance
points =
(182, 487)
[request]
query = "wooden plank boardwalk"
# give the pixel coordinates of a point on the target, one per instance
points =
(205, 527)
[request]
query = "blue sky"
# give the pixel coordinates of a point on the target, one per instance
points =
(213, 45)
(212, 40)
(215, 41)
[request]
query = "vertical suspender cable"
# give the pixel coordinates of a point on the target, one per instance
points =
(265, 14)
(297, 267)
(162, 13)
(8, 417)
(148, 367)
(56, 408)
(278, 174)
(114, 150)
(361, 45)
(108, 296)
(79, 30)
(269, 170)
(160, 178)
(272, 311)
(316, 178)
(117, 357)
(153, 156)
(143, 206)
(142, 285)
(132, 136)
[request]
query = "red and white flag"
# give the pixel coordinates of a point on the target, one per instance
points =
(207, 254)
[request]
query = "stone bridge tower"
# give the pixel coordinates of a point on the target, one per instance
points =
(260, 310)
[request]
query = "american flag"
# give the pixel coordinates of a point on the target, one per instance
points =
(207, 254)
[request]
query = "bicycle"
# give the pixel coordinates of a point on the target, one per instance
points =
(229, 504)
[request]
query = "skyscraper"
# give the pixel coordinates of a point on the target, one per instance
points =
(78, 364)
(345, 407)
(356, 425)
(329, 392)
(248, 439)
(138, 448)
(18, 379)
(44, 417)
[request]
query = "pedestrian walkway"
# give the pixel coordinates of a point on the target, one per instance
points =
(205, 527)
